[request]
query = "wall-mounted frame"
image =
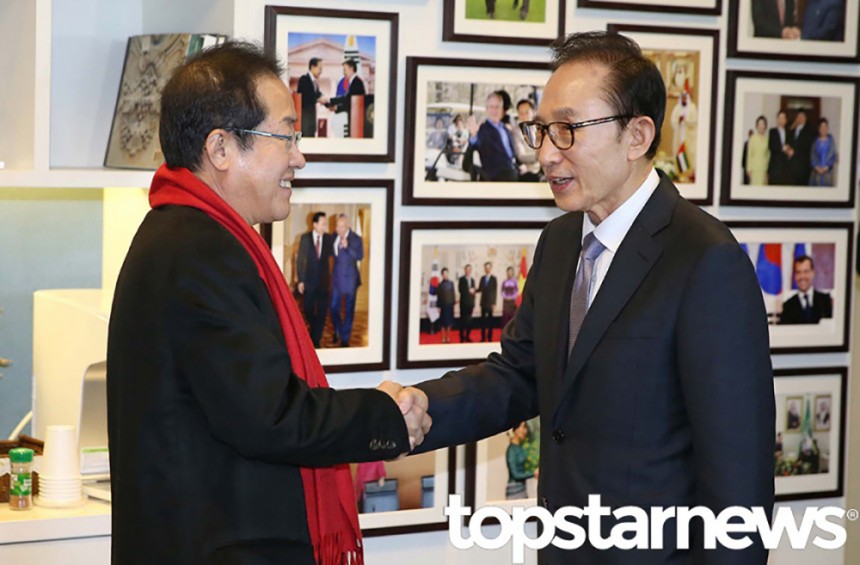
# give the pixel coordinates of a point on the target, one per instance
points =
(774, 249)
(503, 470)
(411, 497)
(425, 304)
(369, 207)
(700, 7)
(688, 60)
(809, 445)
(343, 118)
(824, 32)
(808, 167)
(439, 166)
(525, 22)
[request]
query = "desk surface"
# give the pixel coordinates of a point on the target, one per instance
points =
(91, 519)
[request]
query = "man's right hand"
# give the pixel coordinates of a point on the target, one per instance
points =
(301, 287)
(413, 404)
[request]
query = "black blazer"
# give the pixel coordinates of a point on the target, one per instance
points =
(207, 423)
(801, 164)
(672, 355)
(356, 88)
(310, 94)
(494, 159)
(313, 271)
(467, 299)
(489, 289)
(779, 167)
(793, 313)
(765, 14)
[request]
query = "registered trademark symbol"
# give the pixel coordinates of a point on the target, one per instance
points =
(852, 515)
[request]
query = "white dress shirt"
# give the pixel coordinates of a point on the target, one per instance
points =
(611, 231)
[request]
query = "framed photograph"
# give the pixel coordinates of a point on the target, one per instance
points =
(802, 30)
(342, 69)
(789, 140)
(333, 250)
(688, 60)
(503, 470)
(461, 282)
(804, 270)
(701, 7)
(525, 22)
(457, 112)
(405, 496)
(809, 449)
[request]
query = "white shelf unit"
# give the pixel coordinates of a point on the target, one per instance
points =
(61, 69)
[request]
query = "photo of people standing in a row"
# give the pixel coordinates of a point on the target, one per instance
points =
(793, 146)
(327, 258)
(473, 133)
(470, 292)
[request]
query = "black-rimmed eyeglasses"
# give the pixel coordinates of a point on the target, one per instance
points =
(289, 139)
(560, 133)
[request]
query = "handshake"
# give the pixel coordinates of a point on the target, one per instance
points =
(413, 405)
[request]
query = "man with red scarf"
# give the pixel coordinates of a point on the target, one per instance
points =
(227, 446)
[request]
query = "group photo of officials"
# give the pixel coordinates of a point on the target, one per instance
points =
(470, 292)
(791, 145)
(818, 20)
(803, 439)
(332, 78)
(327, 259)
(473, 133)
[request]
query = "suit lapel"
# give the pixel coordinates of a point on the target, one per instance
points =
(636, 255)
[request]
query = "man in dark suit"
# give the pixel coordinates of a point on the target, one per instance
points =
(775, 18)
(493, 141)
(780, 140)
(489, 288)
(312, 271)
(641, 340)
(226, 443)
(467, 290)
(808, 306)
(309, 88)
(802, 137)
(355, 87)
(348, 250)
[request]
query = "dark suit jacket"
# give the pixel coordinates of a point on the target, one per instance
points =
(779, 167)
(310, 94)
(467, 299)
(207, 423)
(792, 310)
(494, 159)
(488, 289)
(765, 14)
(801, 163)
(672, 354)
(356, 88)
(310, 270)
(345, 276)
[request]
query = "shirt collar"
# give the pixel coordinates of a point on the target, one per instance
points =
(611, 231)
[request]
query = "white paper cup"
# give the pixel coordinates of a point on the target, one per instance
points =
(61, 459)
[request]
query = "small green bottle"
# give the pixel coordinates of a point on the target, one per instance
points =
(21, 479)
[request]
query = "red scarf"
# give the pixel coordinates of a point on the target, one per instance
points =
(331, 512)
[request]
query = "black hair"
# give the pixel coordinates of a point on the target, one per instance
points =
(801, 258)
(633, 86)
(217, 88)
(317, 216)
(314, 62)
(352, 64)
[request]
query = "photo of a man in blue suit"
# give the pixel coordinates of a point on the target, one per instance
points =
(348, 250)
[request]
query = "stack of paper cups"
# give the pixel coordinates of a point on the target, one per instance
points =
(60, 474)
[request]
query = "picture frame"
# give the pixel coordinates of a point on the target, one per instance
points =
(775, 249)
(489, 470)
(439, 168)
(468, 21)
(765, 170)
(689, 56)
(417, 510)
(353, 118)
(698, 7)
(427, 246)
(756, 31)
(369, 206)
(808, 462)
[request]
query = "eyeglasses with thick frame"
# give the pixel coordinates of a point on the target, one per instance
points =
(291, 139)
(560, 133)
